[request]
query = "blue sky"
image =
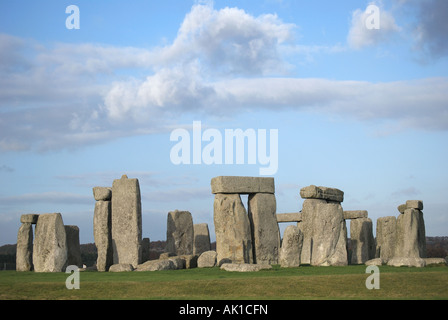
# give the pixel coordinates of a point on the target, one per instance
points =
(361, 110)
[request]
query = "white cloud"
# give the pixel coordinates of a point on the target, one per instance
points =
(360, 36)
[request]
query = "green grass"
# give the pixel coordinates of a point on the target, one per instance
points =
(304, 282)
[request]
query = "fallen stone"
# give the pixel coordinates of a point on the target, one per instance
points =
(324, 193)
(73, 247)
(126, 221)
(386, 230)
(242, 185)
(178, 262)
(102, 232)
(102, 193)
(362, 241)
(29, 218)
(201, 241)
(355, 214)
(24, 249)
(207, 259)
(232, 230)
(179, 233)
(50, 244)
(291, 247)
(264, 228)
(289, 217)
(156, 265)
(414, 204)
(191, 260)
(166, 255)
(244, 267)
(406, 262)
(375, 262)
(121, 267)
(435, 261)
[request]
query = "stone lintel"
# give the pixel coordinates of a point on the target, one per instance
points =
(29, 218)
(289, 217)
(313, 192)
(242, 185)
(355, 214)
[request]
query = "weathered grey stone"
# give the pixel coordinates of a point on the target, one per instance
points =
(102, 232)
(178, 262)
(29, 218)
(264, 228)
(325, 233)
(156, 265)
(190, 260)
(375, 262)
(291, 247)
(414, 204)
(232, 229)
(401, 208)
(411, 239)
(207, 259)
(166, 255)
(50, 244)
(355, 214)
(102, 193)
(435, 261)
(324, 193)
(407, 262)
(244, 267)
(289, 217)
(179, 232)
(126, 221)
(73, 247)
(242, 185)
(386, 230)
(145, 249)
(121, 267)
(201, 241)
(24, 250)
(362, 241)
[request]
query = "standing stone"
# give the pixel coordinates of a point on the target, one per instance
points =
(201, 241)
(50, 244)
(410, 235)
(73, 248)
(386, 229)
(232, 230)
(24, 251)
(291, 247)
(362, 241)
(102, 232)
(264, 228)
(325, 231)
(126, 221)
(179, 233)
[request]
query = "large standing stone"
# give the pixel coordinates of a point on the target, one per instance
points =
(325, 232)
(232, 230)
(291, 247)
(242, 185)
(73, 247)
(386, 229)
(201, 241)
(126, 221)
(411, 242)
(102, 232)
(50, 244)
(179, 233)
(362, 241)
(24, 251)
(264, 228)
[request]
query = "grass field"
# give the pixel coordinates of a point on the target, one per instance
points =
(304, 282)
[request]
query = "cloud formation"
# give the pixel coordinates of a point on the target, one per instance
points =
(69, 95)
